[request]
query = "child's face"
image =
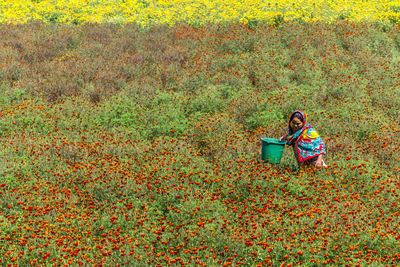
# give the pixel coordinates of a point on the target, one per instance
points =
(296, 124)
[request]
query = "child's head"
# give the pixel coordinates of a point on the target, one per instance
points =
(297, 120)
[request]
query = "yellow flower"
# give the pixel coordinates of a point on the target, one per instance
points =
(145, 12)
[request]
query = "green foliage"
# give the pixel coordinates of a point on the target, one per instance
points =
(210, 100)
(123, 145)
(165, 117)
(264, 118)
(117, 112)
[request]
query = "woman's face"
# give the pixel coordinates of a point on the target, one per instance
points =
(296, 124)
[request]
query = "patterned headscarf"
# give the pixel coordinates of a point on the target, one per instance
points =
(301, 116)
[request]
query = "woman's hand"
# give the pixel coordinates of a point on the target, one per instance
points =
(319, 164)
(282, 138)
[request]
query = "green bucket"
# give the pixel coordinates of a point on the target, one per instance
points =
(272, 150)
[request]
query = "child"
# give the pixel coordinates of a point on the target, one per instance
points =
(307, 145)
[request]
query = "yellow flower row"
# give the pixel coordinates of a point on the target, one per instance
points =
(146, 12)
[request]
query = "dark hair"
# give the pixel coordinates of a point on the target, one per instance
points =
(299, 116)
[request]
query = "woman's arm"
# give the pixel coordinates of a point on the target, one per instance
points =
(283, 138)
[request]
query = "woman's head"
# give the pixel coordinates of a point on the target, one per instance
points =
(297, 121)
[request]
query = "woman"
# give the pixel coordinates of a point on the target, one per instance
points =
(307, 145)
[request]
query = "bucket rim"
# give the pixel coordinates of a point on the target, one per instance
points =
(272, 141)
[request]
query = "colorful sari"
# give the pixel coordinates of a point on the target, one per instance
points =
(306, 142)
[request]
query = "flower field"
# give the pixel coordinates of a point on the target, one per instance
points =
(124, 145)
(148, 12)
